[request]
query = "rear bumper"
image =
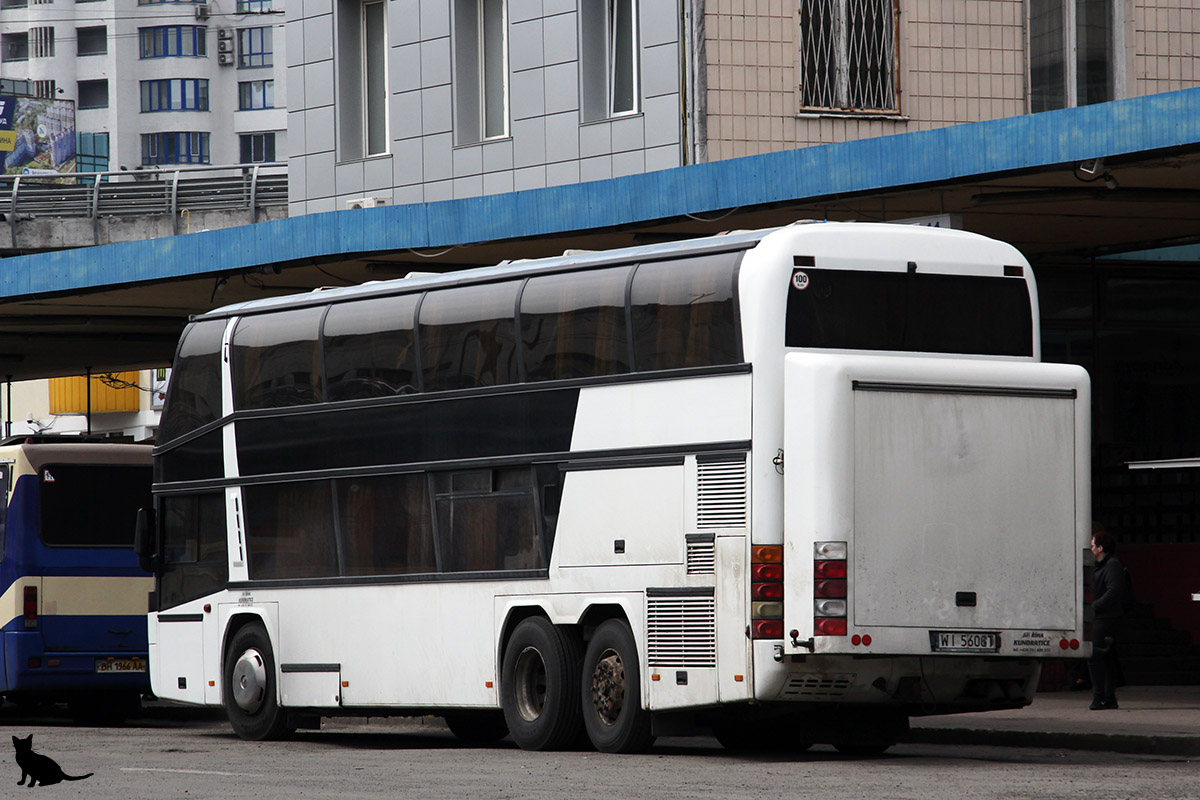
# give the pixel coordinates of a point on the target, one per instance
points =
(63, 673)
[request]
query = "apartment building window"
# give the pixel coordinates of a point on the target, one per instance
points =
(254, 47)
(257, 148)
(609, 57)
(91, 152)
(161, 2)
(362, 78)
(91, 41)
(256, 94)
(45, 89)
(175, 94)
(41, 42)
(169, 41)
(13, 4)
(175, 147)
(14, 47)
(93, 94)
(848, 55)
(1071, 47)
(253, 6)
(481, 58)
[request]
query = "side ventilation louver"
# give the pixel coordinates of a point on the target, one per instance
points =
(721, 491)
(681, 631)
(701, 554)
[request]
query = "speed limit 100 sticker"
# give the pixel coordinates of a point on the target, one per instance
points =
(800, 280)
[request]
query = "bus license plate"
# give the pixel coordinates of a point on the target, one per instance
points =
(121, 665)
(963, 642)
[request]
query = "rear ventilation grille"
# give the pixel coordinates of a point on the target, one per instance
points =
(721, 491)
(681, 632)
(701, 554)
(817, 686)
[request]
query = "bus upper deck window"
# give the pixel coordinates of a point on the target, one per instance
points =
(194, 396)
(369, 348)
(468, 337)
(683, 313)
(573, 325)
(276, 359)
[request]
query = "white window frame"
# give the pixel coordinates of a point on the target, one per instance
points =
(482, 84)
(1070, 46)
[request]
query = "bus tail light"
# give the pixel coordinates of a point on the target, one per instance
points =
(766, 592)
(830, 588)
(30, 608)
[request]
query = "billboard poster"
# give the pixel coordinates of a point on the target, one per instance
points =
(37, 135)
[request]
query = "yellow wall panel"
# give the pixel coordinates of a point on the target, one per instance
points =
(70, 395)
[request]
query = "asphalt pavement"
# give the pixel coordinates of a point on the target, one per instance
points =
(1163, 720)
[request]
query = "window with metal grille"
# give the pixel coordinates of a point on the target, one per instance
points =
(848, 55)
(41, 42)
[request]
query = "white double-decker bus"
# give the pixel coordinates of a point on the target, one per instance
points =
(789, 486)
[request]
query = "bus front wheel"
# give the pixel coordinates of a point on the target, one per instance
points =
(539, 686)
(250, 693)
(612, 692)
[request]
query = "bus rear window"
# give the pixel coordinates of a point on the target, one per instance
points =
(92, 505)
(911, 312)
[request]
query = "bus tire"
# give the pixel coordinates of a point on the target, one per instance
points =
(249, 690)
(612, 692)
(477, 727)
(539, 686)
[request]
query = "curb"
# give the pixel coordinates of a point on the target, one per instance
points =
(1115, 743)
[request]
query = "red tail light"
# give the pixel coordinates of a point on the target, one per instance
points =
(766, 592)
(829, 626)
(829, 589)
(829, 569)
(30, 607)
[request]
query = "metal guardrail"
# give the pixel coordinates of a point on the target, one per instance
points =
(140, 192)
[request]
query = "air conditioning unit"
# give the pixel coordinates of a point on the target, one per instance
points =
(367, 202)
(224, 33)
(225, 45)
(225, 59)
(202, 11)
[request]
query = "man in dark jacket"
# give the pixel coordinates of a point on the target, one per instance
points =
(1108, 603)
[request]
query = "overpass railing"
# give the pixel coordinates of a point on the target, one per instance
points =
(175, 191)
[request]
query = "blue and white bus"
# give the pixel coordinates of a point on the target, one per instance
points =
(790, 486)
(74, 599)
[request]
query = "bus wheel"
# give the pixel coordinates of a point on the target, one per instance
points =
(250, 699)
(539, 685)
(477, 727)
(612, 692)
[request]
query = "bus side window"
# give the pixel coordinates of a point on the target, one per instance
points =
(276, 359)
(385, 525)
(369, 348)
(194, 395)
(683, 313)
(486, 520)
(468, 337)
(194, 561)
(573, 325)
(289, 530)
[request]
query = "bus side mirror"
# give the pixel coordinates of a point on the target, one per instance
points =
(145, 539)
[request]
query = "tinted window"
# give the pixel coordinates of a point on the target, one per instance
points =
(289, 530)
(486, 520)
(856, 310)
(468, 337)
(276, 359)
(683, 313)
(194, 395)
(92, 505)
(573, 325)
(193, 547)
(369, 348)
(385, 525)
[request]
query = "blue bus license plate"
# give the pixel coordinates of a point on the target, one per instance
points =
(963, 642)
(120, 665)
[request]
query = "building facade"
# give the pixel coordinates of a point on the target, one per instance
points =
(155, 83)
(414, 101)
